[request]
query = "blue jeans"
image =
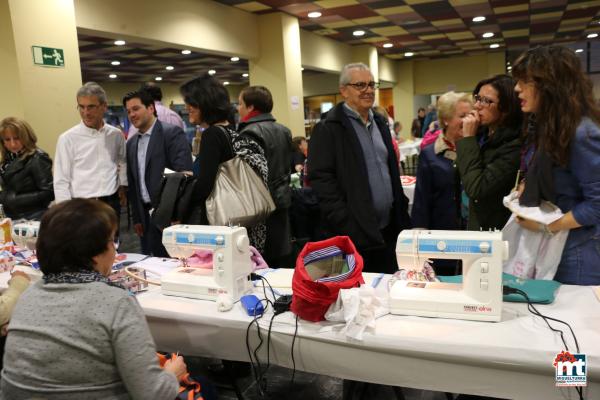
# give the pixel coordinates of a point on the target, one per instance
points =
(580, 265)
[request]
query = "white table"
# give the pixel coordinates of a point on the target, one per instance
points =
(410, 148)
(512, 358)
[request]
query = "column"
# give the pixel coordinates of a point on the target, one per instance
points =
(404, 92)
(278, 67)
(43, 95)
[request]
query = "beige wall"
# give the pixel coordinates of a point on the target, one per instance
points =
(319, 84)
(404, 94)
(387, 70)
(457, 73)
(12, 104)
(48, 93)
(199, 24)
(322, 53)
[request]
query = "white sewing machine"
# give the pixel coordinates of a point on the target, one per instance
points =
(478, 298)
(231, 262)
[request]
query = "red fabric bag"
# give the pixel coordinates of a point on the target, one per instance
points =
(311, 299)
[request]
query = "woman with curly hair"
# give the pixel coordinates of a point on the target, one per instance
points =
(562, 155)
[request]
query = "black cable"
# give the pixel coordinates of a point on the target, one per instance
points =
(256, 369)
(535, 311)
(293, 360)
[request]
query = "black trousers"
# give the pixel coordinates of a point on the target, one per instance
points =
(152, 240)
(382, 259)
(114, 202)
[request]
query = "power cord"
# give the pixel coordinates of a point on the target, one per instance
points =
(532, 309)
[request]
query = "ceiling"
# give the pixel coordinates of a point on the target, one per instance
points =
(143, 63)
(433, 28)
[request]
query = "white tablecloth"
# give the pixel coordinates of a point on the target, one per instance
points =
(512, 358)
(410, 148)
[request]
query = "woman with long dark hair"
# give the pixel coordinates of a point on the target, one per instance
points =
(488, 156)
(562, 155)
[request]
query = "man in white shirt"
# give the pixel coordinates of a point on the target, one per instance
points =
(90, 160)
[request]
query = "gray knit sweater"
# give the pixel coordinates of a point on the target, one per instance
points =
(81, 341)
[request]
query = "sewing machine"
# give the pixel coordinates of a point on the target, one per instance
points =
(230, 257)
(478, 298)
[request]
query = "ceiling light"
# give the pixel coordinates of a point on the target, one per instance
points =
(388, 45)
(509, 68)
(409, 54)
(226, 83)
(235, 59)
(488, 34)
(119, 42)
(112, 76)
(186, 52)
(480, 18)
(158, 78)
(358, 33)
(494, 46)
(314, 14)
(592, 35)
(579, 51)
(115, 63)
(169, 68)
(245, 75)
(212, 72)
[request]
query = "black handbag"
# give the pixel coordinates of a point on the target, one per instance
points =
(175, 196)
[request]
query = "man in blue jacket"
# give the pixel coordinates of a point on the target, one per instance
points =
(155, 146)
(354, 172)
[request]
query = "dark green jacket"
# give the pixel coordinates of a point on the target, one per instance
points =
(488, 173)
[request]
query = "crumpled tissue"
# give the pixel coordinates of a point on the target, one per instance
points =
(358, 308)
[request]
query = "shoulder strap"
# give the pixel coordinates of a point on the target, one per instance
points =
(229, 138)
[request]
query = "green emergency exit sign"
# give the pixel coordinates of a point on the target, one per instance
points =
(48, 56)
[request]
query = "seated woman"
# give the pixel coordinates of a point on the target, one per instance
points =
(564, 129)
(488, 156)
(207, 101)
(25, 171)
(437, 201)
(74, 334)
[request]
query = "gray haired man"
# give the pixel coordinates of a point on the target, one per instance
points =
(353, 170)
(90, 159)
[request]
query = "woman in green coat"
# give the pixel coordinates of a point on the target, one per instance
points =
(489, 155)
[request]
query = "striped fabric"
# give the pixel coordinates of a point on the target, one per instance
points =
(328, 252)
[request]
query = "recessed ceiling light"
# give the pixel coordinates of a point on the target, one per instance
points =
(488, 34)
(235, 59)
(226, 83)
(115, 63)
(409, 54)
(494, 46)
(314, 14)
(592, 35)
(169, 68)
(119, 42)
(212, 72)
(388, 45)
(509, 68)
(112, 76)
(479, 18)
(579, 51)
(358, 33)
(245, 75)
(158, 78)
(186, 52)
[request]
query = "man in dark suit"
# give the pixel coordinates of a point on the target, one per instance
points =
(354, 172)
(156, 146)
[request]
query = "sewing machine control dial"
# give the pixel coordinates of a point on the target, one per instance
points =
(242, 243)
(441, 245)
(219, 240)
(484, 247)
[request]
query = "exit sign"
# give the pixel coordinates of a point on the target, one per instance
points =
(48, 56)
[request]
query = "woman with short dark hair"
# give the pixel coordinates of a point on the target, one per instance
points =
(207, 102)
(25, 171)
(562, 155)
(488, 156)
(75, 334)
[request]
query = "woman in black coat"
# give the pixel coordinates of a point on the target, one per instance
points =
(25, 171)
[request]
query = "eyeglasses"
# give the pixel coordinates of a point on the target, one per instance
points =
(483, 100)
(362, 86)
(90, 107)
